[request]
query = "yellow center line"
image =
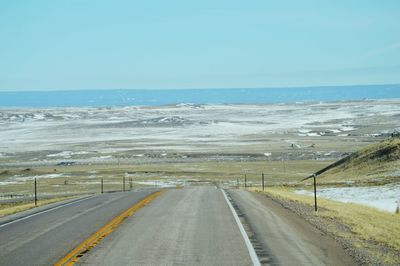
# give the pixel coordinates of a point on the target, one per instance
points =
(75, 254)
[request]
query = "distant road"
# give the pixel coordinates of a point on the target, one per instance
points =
(195, 226)
(42, 239)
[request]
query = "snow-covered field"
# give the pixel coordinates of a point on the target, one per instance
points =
(22, 178)
(381, 197)
(103, 134)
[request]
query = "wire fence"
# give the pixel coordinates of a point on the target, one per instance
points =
(40, 189)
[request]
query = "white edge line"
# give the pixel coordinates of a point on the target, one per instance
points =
(250, 248)
(44, 211)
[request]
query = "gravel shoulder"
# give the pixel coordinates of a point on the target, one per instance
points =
(364, 251)
(286, 238)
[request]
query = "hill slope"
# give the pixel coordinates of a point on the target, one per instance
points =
(376, 163)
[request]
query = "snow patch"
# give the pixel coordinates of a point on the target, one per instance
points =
(380, 197)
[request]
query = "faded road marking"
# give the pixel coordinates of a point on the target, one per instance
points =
(75, 254)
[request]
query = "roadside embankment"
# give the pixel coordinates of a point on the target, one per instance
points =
(371, 236)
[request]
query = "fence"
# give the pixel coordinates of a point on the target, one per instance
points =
(40, 189)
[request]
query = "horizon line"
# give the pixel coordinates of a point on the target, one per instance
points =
(200, 88)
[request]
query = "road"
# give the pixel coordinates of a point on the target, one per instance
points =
(42, 239)
(182, 227)
(194, 226)
(197, 225)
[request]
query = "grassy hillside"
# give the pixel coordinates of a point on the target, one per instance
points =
(376, 163)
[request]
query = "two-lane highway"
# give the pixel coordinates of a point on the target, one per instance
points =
(189, 226)
(197, 225)
(44, 238)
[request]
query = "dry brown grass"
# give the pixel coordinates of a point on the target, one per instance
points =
(80, 177)
(376, 163)
(11, 208)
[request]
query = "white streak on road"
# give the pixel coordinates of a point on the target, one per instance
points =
(250, 248)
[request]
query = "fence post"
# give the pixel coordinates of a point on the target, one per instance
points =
(35, 192)
(123, 184)
(263, 181)
(245, 181)
(102, 186)
(315, 192)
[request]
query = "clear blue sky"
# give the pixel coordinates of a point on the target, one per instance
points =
(83, 44)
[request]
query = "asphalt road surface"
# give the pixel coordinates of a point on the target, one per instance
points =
(284, 237)
(189, 226)
(194, 226)
(43, 238)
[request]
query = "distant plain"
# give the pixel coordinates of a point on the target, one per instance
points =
(72, 149)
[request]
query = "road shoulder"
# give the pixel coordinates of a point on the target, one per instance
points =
(285, 237)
